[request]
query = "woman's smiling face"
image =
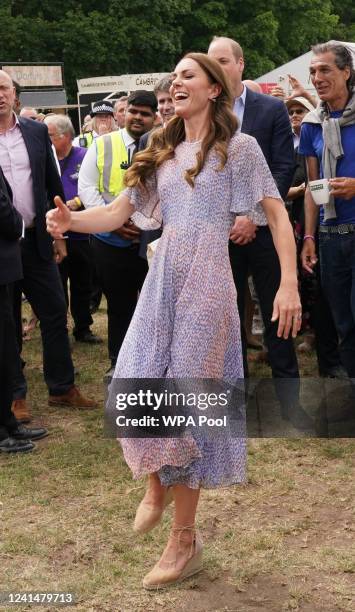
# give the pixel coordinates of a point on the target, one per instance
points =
(191, 89)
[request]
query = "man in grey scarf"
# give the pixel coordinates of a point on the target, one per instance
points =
(328, 143)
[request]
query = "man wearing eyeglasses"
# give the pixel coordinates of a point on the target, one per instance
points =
(297, 109)
(77, 265)
(121, 270)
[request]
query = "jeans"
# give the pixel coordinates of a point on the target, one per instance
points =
(337, 261)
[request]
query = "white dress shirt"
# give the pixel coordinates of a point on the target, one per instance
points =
(56, 159)
(239, 107)
(89, 175)
(15, 163)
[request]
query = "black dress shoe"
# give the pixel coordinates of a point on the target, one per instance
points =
(109, 374)
(346, 412)
(10, 445)
(26, 433)
(88, 338)
(335, 372)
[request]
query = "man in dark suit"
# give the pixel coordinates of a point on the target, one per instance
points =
(26, 158)
(14, 438)
(251, 248)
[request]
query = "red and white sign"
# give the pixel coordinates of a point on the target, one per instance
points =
(267, 87)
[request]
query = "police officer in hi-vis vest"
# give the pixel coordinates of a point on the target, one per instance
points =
(102, 122)
(121, 270)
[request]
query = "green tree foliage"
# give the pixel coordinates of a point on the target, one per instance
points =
(346, 27)
(97, 37)
(270, 33)
(203, 21)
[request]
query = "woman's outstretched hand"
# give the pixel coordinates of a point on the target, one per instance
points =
(58, 219)
(288, 310)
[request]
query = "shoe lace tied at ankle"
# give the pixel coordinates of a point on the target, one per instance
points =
(177, 532)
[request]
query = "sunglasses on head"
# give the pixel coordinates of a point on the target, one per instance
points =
(296, 111)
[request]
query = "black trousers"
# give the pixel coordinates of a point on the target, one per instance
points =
(43, 288)
(121, 275)
(260, 257)
(8, 355)
(96, 291)
(76, 268)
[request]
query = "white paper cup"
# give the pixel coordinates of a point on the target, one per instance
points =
(320, 191)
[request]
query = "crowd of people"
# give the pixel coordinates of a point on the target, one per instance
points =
(206, 162)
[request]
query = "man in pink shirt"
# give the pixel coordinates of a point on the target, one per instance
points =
(27, 161)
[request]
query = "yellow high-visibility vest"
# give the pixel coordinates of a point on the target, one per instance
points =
(111, 153)
(89, 139)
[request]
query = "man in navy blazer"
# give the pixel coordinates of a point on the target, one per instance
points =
(14, 438)
(251, 248)
(27, 160)
(265, 118)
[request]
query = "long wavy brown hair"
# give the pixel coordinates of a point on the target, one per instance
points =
(163, 141)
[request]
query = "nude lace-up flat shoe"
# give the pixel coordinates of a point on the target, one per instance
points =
(148, 516)
(160, 578)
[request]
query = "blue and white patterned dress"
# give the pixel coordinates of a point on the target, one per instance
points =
(186, 322)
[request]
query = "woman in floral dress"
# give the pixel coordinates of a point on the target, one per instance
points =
(195, 176)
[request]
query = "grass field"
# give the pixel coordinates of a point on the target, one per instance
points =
(284, 541)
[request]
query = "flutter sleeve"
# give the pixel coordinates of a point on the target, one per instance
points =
(147, 215)
(252, 180)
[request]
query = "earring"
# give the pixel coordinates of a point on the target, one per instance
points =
(213, 99)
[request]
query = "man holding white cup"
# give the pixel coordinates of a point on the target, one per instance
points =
(320, 191)
(328, 143)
